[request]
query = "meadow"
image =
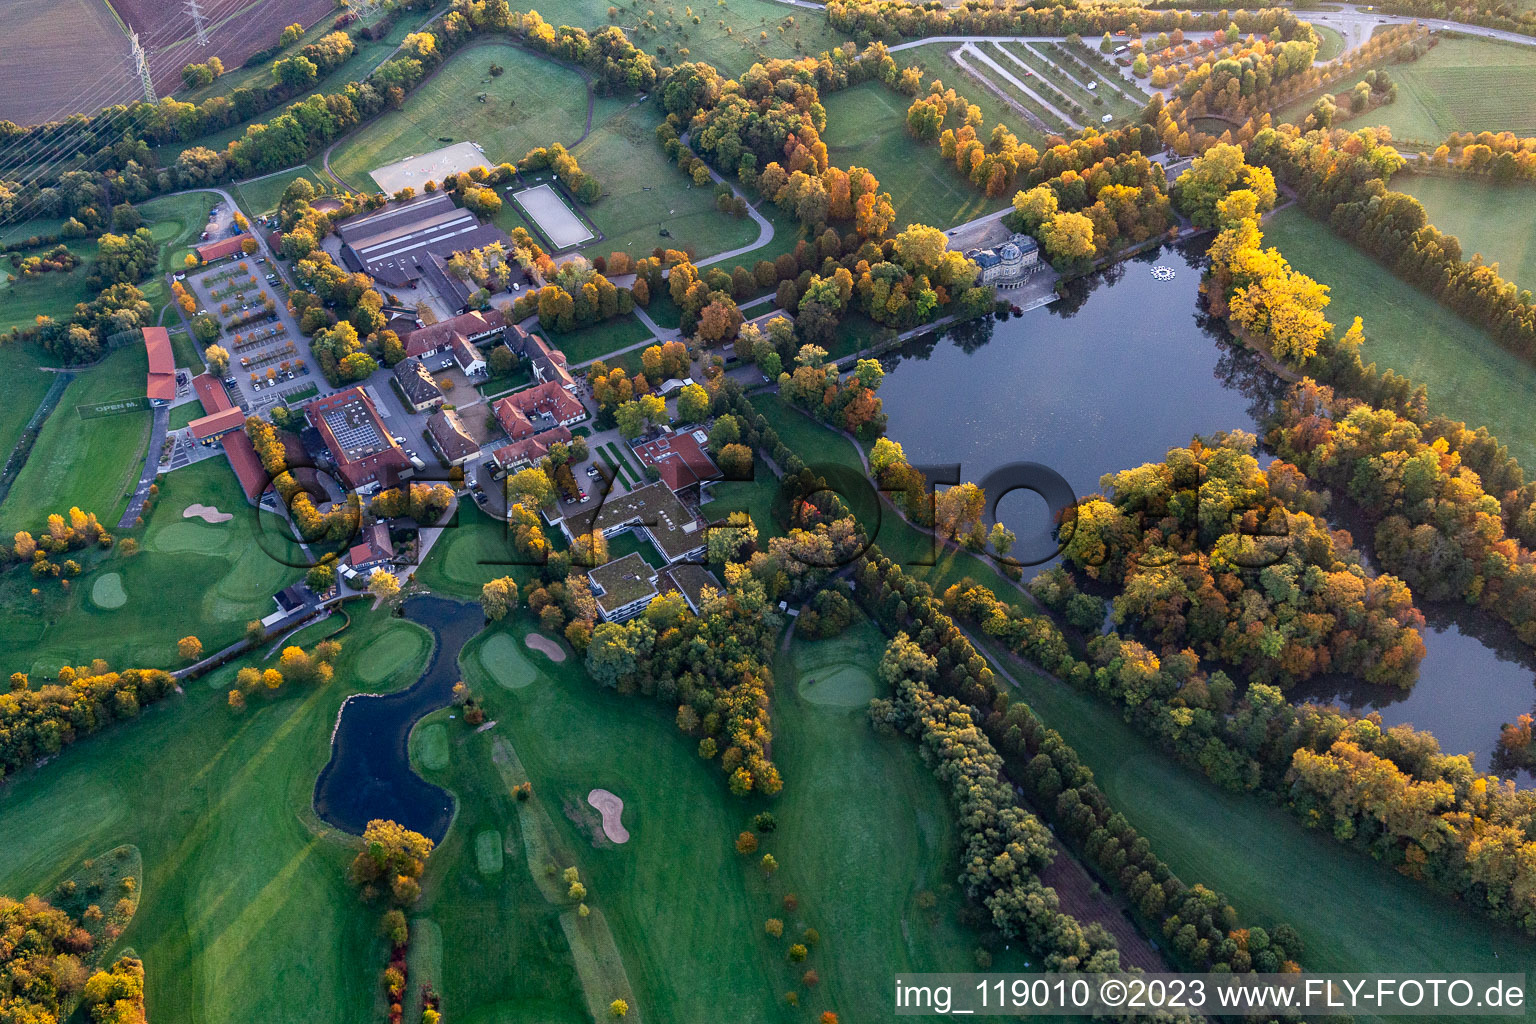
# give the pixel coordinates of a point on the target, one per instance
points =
(866, 127)
(259, 196)
(730, 34)
(217, 577)
(230, 929)
(92, 463)
(1499, 222)
(644, 193)
(1469, 376)
(22, 387)
(536, 102)
(1463, 84)
(53, 294)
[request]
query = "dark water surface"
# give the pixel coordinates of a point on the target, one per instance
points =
(369, 775)
(1112, 377)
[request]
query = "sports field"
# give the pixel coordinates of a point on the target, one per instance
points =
(557, 220)
(1496, 221)
(216, 576)
(93, 463)
(1469, 376)
(1464, 85)
(534, 103)
(231, 929)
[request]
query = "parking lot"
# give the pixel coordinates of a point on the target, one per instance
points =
(269, 358)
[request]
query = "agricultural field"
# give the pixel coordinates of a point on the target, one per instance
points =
(219, 576)
(866, 127)
(260, 196)
(1469, 376)
(536, 102)
(1466, 85)
(234, 929)
(90, 463)
(1496, 221)
(59, 57)
(732, 36)
(234, 33)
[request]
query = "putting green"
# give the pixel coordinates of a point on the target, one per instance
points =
(432, 746)
(488, 852)
(844, 685)
(107, 592)
(400, 645)
(504, 661)
(187, 536)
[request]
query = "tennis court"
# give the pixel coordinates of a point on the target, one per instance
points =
(557, 220)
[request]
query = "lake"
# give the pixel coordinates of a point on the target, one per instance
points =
(369, 774)
(1122, 369)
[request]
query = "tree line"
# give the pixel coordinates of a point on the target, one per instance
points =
(40, 721)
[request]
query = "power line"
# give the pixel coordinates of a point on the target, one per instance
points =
(142, 60)
(197, 20)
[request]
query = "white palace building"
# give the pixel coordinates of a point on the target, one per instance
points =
(1009, 263)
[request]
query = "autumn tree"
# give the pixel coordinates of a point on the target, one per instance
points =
(498, 598)
(383, 585)
(190, 648)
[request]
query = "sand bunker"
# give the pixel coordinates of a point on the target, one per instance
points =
(611, 807)
(207, 513)
(545, 646)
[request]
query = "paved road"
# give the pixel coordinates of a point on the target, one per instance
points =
(162, 420)
(1014, 59)
(1355, 24)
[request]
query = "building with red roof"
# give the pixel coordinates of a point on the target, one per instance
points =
(161, 384)
(246, 464)
(374, 549)
(210, 251)
(207, 428)
(530, 450)
(679, 458)
(365, 453)
(516, 412)
(210, 391)
(474, 326)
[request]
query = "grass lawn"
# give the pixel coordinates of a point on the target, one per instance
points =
(92, 463)
(260, 196)
(246, 913)
(866, 127)
(1330, 42)
(1355, 915)
(588, 343)
(472, 551)
(22, 387)
(1467, 85)
(217, 577)
(55, 294)
(1469, 376)
(732, 36)
(536, 102)
(755, 497)
(630, 543)
(1498, 222)
(644, 192)
(184, 414)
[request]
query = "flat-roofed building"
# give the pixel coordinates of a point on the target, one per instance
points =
(160, 385)
(623, 587)
(654, 511)
(688, 579)
(354, 434)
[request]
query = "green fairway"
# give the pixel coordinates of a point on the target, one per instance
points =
(1497, 221)
(503, 660)
(488, 851)
(431, 745)
(866, 127)
(260, 196)
(216, 577)
(1469, 376)
(535, 103)
(644, 193)
(471, 552)
(1465, 85)
(732, 36)
(90, 463)
(175, 221)
(53, 294)
(1355, 915)
(22, 387)
(384, 657)
(246, 913)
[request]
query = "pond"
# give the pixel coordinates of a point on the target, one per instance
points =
(1112, 376)
(369, 774)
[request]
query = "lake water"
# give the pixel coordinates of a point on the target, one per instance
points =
(1112, 377)
(369, 775)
